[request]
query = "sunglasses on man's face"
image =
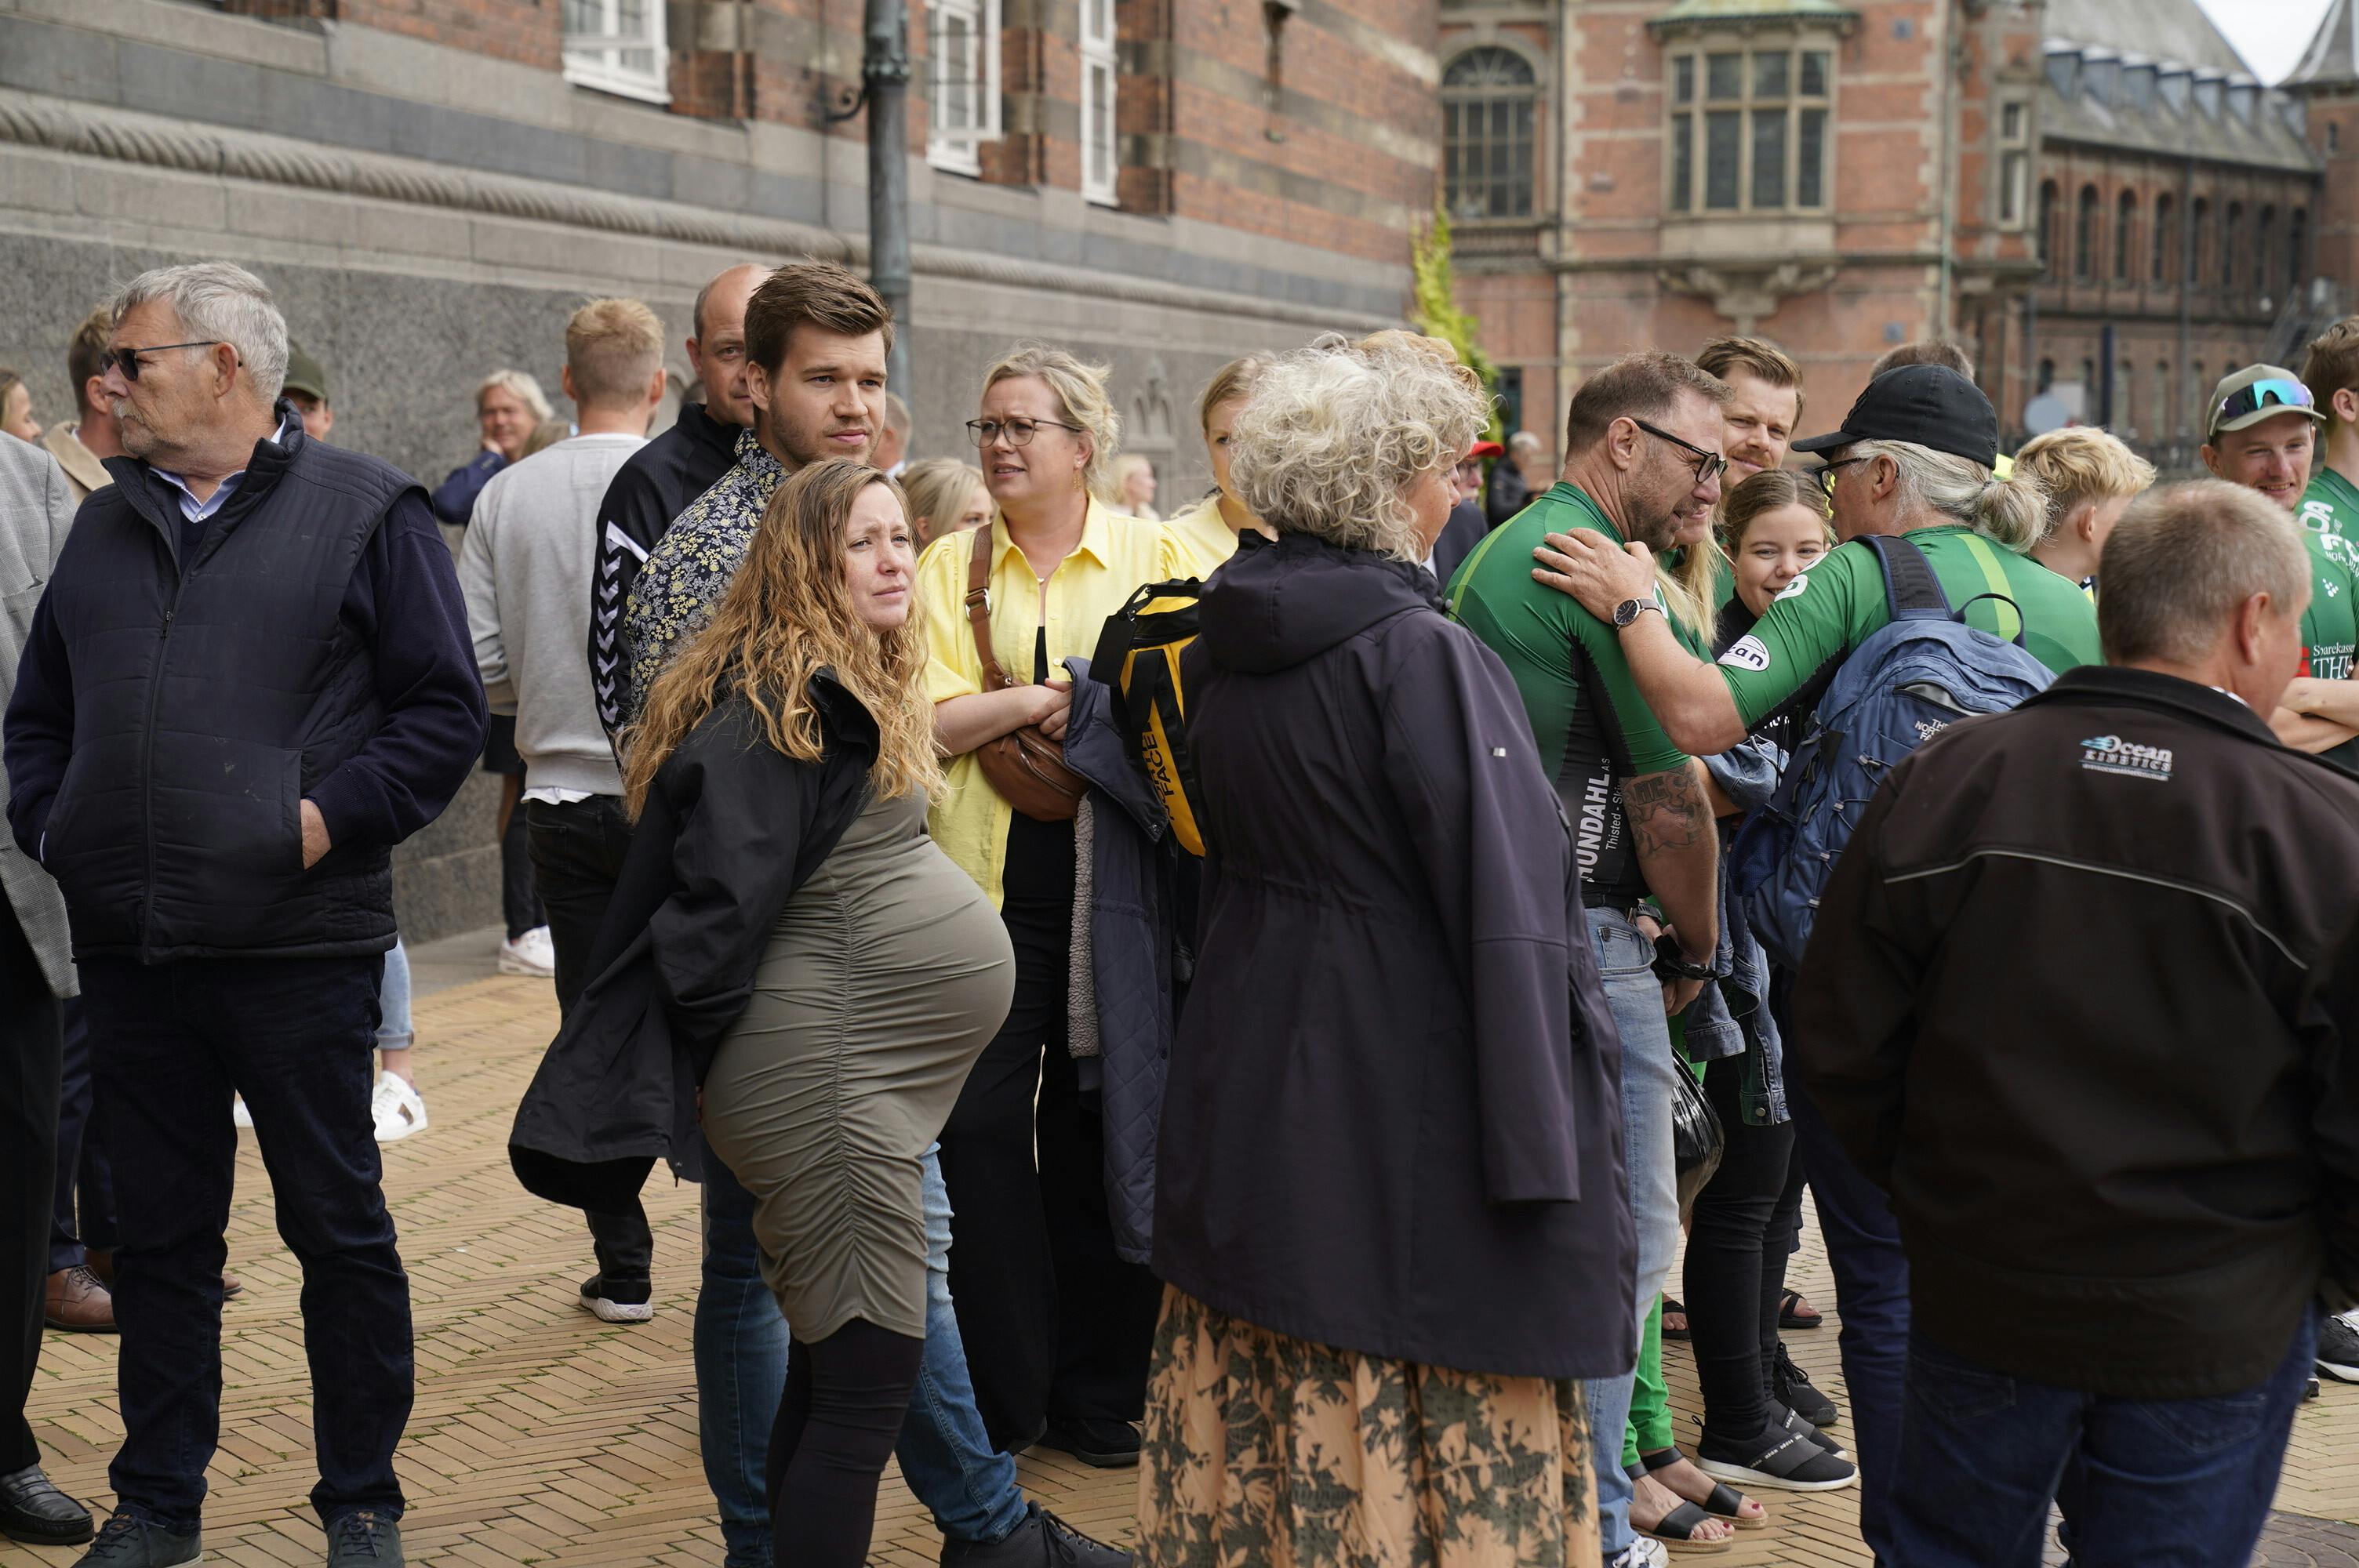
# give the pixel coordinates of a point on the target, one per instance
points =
(127, 360)
(2274, 393)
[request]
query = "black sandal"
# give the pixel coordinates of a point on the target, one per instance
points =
(1674, 1335)
(1675, 1530)
(1725, 1502)
(1788, 1318)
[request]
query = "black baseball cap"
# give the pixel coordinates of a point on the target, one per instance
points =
(1925, 405)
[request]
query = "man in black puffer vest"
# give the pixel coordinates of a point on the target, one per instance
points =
(248, 680)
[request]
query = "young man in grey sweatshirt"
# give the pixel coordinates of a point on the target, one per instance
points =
(526, 569)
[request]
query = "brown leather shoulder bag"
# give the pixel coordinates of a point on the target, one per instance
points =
(1026, 767)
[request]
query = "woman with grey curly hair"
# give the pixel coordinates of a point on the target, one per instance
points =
(1387, 1209)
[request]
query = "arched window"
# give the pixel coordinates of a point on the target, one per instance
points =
(2047, 374)
(2265, 252)
(2160, 413)
(2199, 232)
(2297, 248)
(2231, 235)
(1489, 96)
(2047, 235)
(2125, 224)
(2166, 239)
(2084, 238)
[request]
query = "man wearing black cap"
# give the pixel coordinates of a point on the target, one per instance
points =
(1913, 456)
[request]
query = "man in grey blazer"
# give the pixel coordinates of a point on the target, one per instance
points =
(37, 973)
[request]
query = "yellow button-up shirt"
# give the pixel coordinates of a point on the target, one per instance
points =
(969, 819)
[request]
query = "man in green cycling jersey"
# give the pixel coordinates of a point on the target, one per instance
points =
(2331, 371)
(1913, 456)
(2261, 431)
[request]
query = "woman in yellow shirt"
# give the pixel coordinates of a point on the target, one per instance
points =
(1057, 1327)
(1210, 528)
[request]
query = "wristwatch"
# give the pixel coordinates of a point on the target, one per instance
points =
(1628, 612)
(1671, 964)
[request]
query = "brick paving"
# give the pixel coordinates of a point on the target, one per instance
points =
(543, 1437)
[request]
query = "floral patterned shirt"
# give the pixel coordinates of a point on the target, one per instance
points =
(691, 567)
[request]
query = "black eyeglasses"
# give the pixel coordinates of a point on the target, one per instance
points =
(127, 360)
(1827, 472)
(1019, 432)
(1708, 464)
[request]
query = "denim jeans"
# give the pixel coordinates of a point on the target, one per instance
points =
(393, 1030)
(741, 1374)
(2158, 1483)
(1625, 966)
(1871, 1273)
(297, 1037)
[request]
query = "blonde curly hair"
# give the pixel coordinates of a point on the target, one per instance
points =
(1337, 431)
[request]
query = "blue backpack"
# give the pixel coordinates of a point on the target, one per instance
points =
(1906, 684)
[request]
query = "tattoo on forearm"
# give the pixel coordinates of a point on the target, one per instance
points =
(1667, 811)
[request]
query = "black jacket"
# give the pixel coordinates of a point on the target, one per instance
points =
(730, 828)
(187, 686)
(2055, 1003)
(1392, 1123)
(642, 498)
(1508, 493)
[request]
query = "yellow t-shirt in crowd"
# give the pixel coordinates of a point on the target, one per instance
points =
(1116, 554)
(1205, 535)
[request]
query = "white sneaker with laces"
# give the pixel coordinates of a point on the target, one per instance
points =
(238, 1114)
(397, 1107)
(530, 953)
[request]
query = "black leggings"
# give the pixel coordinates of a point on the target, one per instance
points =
(842, 1414)
(1735, 1269)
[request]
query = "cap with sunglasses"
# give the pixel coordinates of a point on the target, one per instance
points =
(1925, 405)
(2257, 393)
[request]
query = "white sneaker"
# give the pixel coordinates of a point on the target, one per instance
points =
(530, 953)
(238, 1114)
(396, 1109)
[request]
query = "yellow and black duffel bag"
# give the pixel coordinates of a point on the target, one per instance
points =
(1137, 658)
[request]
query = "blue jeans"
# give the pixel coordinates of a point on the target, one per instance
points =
(2154, 1483)
(741, 1374)
(1625, 965)
(393, 1030)
(1871, 1273)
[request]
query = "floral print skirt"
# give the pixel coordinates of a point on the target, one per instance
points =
(1267, 1452)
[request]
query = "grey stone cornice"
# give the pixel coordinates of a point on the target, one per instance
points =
(127, 136)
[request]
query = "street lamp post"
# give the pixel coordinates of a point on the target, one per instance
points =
(884, 75)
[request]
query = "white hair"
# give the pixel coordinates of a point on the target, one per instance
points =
(222, 302)
(2008, 511)
(1334, 433)
(526, 389)
(1523, 443)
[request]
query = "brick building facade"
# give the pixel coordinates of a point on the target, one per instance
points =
(2093, 195)
(429, 185)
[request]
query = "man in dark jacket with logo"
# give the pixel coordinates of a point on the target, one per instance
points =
(670, 472)
(2148, 1153)
(249, 678)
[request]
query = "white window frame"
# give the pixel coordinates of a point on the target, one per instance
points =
(2015, 187)
(1101, 141)
(1792, 106)
(959, 148)
(595, 59)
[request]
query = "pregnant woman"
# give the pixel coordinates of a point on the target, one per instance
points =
(854, 973)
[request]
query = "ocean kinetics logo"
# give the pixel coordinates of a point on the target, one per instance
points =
(2111, 754)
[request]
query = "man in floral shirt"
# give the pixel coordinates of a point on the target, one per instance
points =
(816, 338)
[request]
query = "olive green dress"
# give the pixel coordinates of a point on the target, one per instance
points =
(885, 977)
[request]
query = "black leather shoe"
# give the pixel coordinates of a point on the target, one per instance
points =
(366, 1539)
(128, 1543)
(1106, 1445)
(34, 1512)
(1042, 1540)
